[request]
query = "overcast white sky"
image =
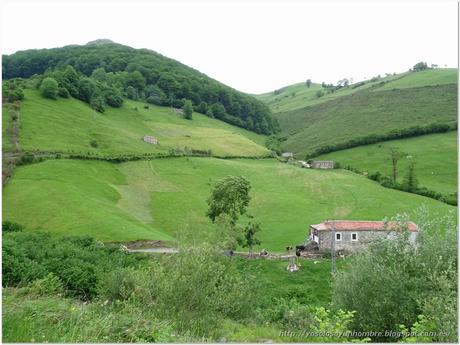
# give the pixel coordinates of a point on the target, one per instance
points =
(254, 46)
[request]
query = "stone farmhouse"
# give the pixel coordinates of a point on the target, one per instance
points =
(322, 164)
(354, 235)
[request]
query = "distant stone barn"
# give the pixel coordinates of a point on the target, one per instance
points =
(354, 235)
(322, 164)
(151, 140)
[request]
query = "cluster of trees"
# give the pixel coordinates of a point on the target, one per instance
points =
(330, 88)
(420, 66)
(99, 90)
(104, 73)
(374, 138)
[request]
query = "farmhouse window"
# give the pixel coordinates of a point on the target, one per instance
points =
(338, 236)
(354, 236)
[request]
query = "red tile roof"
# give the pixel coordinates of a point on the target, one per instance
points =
(361, 225)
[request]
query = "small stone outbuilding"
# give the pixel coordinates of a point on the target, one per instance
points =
(354, 235)
(322, 164)
(151, 140)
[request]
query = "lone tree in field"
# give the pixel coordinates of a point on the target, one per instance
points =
(249, 239)
(308, 82)
(395, 155)
(410, 181)
(229, 196)
(188, 109)
(49, 88)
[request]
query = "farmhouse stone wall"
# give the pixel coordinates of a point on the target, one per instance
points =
(346, 244)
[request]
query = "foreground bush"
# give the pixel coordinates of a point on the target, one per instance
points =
(78, 262)
(199, 287)
(394, 282)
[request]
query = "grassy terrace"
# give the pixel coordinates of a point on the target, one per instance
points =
(435, 156)
(66, 125)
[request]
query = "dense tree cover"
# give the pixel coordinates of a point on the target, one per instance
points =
(109, 71)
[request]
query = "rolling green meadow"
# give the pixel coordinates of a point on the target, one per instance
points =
(84, 186)
(69, 125)
(434, 155)
(158, 198)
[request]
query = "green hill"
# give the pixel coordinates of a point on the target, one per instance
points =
(70, 125)
(435, 156)
(155, 199)
(101, 72)
(300, 95)
(391, 104)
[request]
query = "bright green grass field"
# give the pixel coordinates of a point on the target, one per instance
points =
(156, 199)
(424, 78)
(66, 125)
(435, 156)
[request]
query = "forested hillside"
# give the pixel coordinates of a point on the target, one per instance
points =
(103, 73)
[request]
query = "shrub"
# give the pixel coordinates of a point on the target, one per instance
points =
(49, 88)
(198, 287)
(8, 226)
(98, 104)
(63, 92)
(319, 93)
(188, 109)
(113, 98)
(49, 285)
(118, 285)
(93, 143)
(26, 158)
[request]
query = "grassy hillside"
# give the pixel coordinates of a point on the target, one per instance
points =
(392, 103)
(103, 72)
(155, 199)
(435, 156)
(367, 113)
(424, 78)
(67, 125)
(299, 95)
